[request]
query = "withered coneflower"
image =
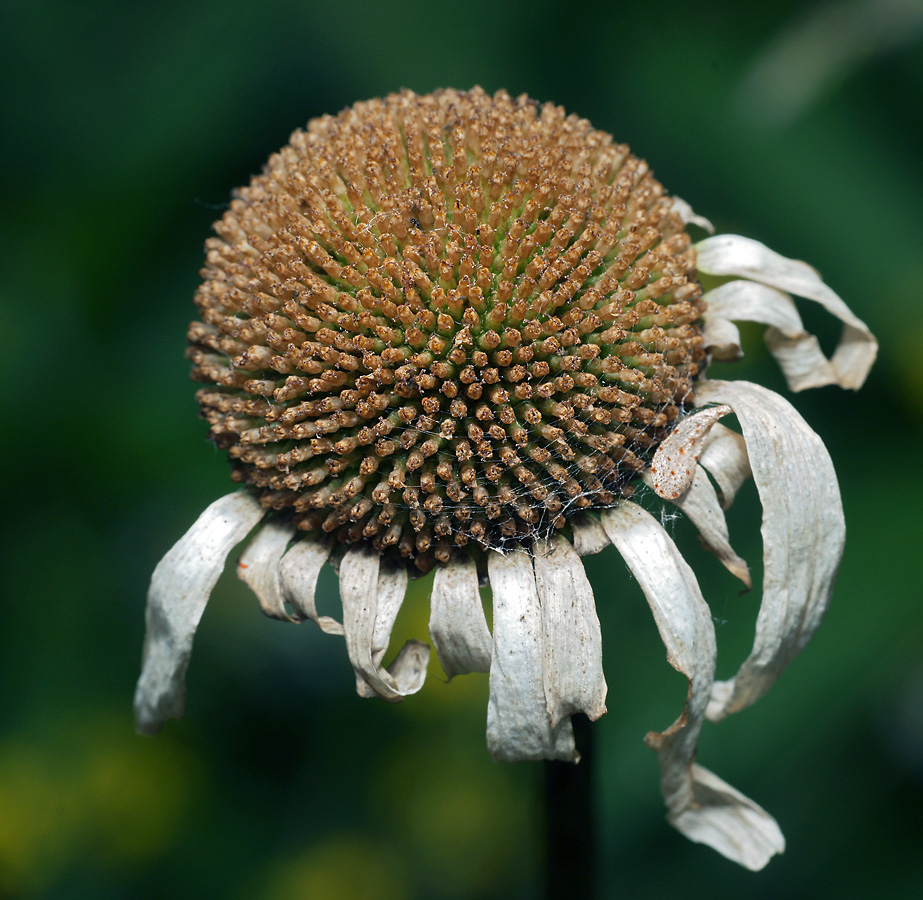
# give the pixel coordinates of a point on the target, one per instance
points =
(455, 331)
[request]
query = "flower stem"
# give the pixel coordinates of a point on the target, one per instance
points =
(570, 824)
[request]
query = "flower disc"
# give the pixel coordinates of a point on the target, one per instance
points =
(446, 319)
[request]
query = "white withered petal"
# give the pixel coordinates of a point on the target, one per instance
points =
(797, 352)
(701, 506)
(803, 534)
(372, 598)
(258, 568)
(573, 658)
(180, 588)
(725, 459)
(298, 571)
(722, 817)
(518, 721)
(457, 625)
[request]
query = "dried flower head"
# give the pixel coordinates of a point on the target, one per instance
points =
(455, 331)
(443, 320)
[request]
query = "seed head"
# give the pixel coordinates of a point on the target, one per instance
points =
(442, 320)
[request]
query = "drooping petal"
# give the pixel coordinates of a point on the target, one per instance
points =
(748, 301)
(803, 534)
(359, 594)
(803, 362)
(180, 587)
(724, 819)
(731, 823)
(299, 570)
(700, 504)
(797, 352)
(689, 216)
(674, 464)
(725, 458)
(721, 339)
(258, 568)
(800, 356)
(457, 624)
(573, 663)
(392, 586)
(518, 722)
(589, 536)
(683, 620)
(372, 598)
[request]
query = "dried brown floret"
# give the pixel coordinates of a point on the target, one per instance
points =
(444, 319)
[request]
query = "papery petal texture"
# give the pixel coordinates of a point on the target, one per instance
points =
(457, 624)
(721, 338)
(725, 459)
(372, 598)
(725, 819)
(258, 568)
(700, 505)
(799, 356)
(803, 533)
(749, 301)
(180, 588)
(690, 217)
(518, 720)
(731, 823)
(573, 661)
(298, 572)
(673, 467)
(589, 536)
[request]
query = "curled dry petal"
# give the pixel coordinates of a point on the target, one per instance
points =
(298, 571)
(674, 464)
(748, 301)
(721, 338)
(797, 352)
(724, 819)
(800, 356)
(700, 504)
(258, 568)
(803, 534)
(180, 587)
(372, 598)
(803, 362)
(689, 216)
(573, 662)
(518, 721)
(457, 624)
(725, 458)
(589, 536)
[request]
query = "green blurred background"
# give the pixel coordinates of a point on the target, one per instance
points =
(124, 128)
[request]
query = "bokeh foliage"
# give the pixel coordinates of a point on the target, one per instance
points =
(125, 126)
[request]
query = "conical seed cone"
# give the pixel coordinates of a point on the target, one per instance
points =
(446, 319)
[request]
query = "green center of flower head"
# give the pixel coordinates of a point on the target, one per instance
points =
(446, 320)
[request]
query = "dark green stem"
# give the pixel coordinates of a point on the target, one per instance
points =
(570, 825)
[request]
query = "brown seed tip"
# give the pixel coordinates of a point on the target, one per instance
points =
(453, 317)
